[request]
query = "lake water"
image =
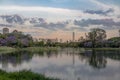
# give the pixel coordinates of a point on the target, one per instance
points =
(66, 64)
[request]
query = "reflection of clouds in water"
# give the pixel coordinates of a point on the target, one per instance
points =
(83, 70)
(11, 67)
(63, 65)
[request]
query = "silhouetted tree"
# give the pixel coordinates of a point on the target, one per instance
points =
(95, 35)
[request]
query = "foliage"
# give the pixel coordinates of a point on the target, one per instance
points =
(96, 38)
(96, 35)
(22, 75)
(39, 49)
(15, 39)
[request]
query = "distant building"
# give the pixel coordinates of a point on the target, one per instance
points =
(73, 36)
(5, 30)
(119, 32)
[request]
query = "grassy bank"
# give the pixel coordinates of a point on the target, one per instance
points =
(102, 48)
(39, 49)
(22, 75)
(5, 50)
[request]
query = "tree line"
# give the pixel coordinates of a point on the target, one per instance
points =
(94, 39)
(16, 39)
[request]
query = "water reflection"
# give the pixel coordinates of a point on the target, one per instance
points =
(66, 64)
(98, 58)
(96, 61)
(14, 59)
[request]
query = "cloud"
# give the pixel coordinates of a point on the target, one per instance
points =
(50, 13)
(100, 12)
(100, 4)
(54, 19)
(104, 6)
(64, 26)
(53, 26)
(109, 23)
(39, 9)
(5, 25)
(21, 8)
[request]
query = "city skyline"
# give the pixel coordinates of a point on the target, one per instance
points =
(61, 18)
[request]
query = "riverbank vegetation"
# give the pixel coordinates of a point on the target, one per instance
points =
(110, 49)
(96, 38)
(5, 49)
(17, 41)
(40, 49)
(22, 75)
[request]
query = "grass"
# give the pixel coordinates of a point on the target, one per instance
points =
(22, 75)
(39, 49)
(5, 49)
(103, 48)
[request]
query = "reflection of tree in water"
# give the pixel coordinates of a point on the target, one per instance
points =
(48, 54)
(98, 58)
(112, 54)
(15, 59)
(97, 61)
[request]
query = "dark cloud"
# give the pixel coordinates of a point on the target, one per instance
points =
(36, 20)
(53, 26)
(59, 26)
(5, 25)
(105, 22)
(12, 19)
(118, 16)
(100, 12)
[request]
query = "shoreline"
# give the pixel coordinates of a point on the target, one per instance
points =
(5, 50)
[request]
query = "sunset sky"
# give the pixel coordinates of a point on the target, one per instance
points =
(62, 17)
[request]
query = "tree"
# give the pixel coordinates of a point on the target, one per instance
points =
(96, 35)
(16, 39)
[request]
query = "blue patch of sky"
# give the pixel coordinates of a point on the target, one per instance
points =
(68, 4)
(114, 2)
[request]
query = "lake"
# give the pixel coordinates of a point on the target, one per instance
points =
(66, 63)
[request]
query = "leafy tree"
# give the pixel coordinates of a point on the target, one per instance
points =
(16, 39)
(96, 35)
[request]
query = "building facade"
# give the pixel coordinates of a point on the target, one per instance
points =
(5, 30)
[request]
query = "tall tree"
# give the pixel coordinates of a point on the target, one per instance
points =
(96, 34)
